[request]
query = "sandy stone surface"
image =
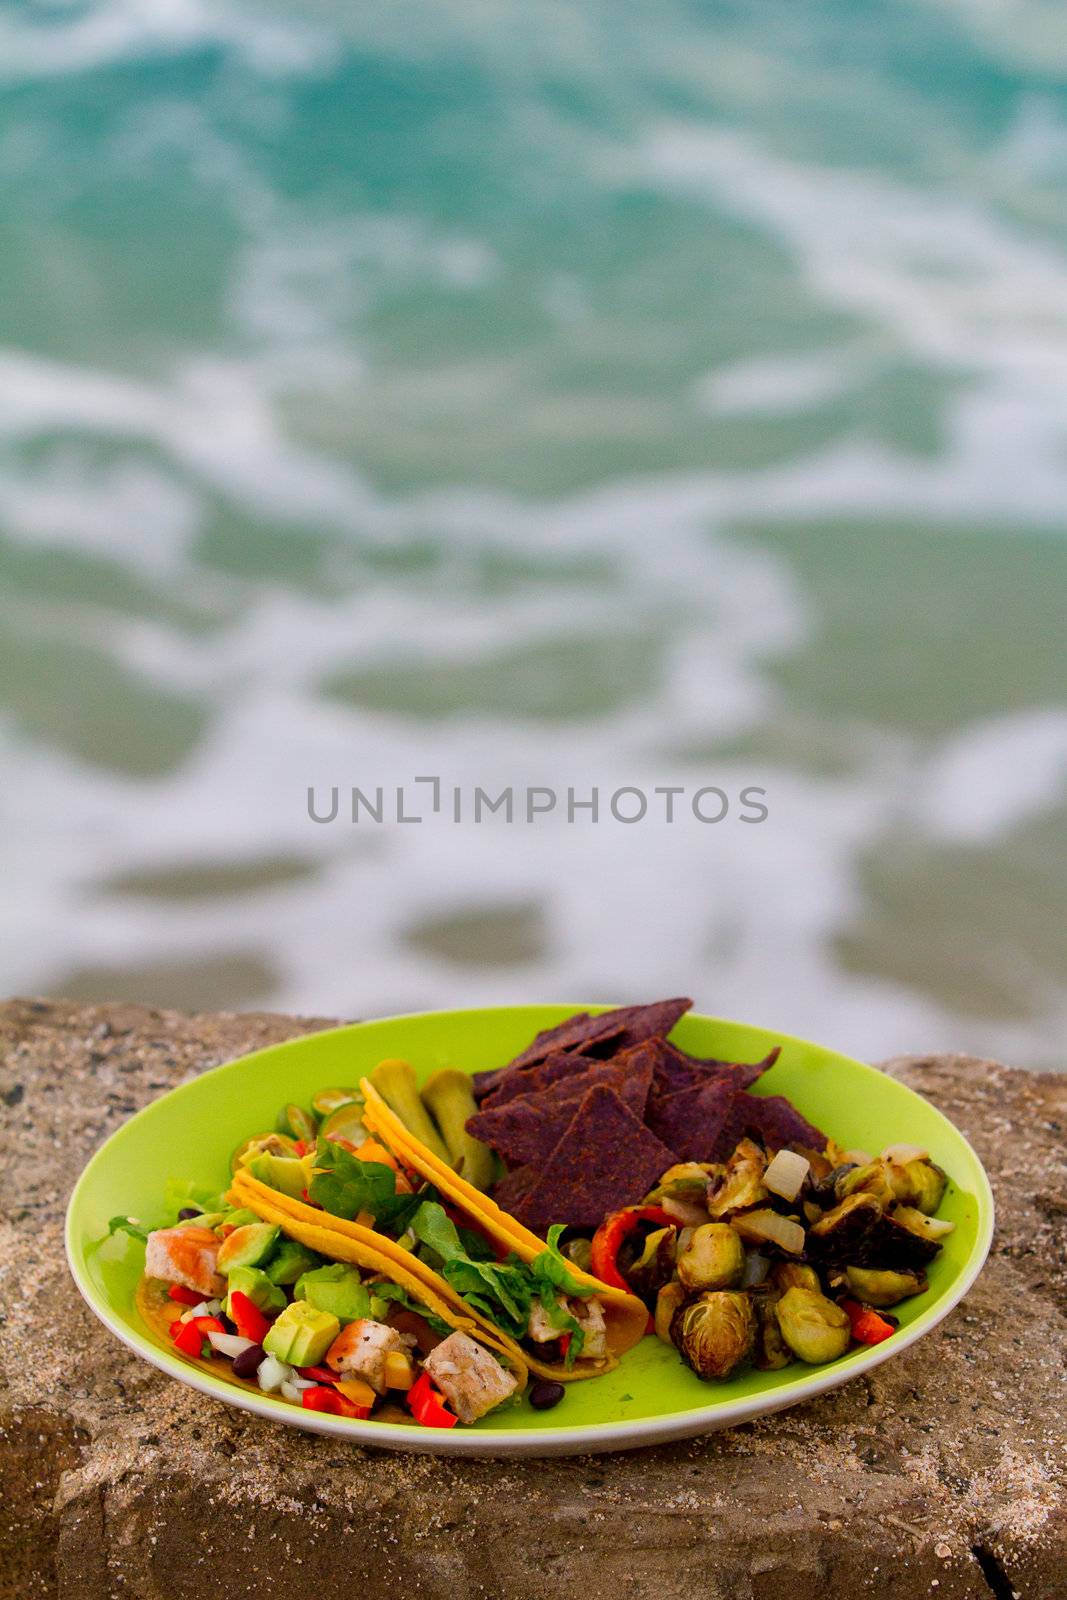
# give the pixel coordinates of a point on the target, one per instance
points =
(941, 1475)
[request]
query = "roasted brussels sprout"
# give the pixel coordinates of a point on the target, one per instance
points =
(655, 1265)
(670, 1297)
(772, 1352)
(688, 1178)
(883, 1288)
(923, 1186)
(824, 1190)
(713, 1259)
(815, 1328)
(839, 1235)
(716, 1332)
(742, 1182)
(873, 1178)
(893, 1245)
(794, 1275)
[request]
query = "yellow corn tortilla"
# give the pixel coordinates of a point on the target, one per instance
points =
(625, 1315)
(361, 1247)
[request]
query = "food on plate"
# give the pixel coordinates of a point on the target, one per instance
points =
(415, 1253)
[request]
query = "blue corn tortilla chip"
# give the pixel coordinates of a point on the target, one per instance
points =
(702, 1123)
(601, 1036)
(532, 1080)
(528, 1127)
(675, 1070)
(778, 1123)
(604, 1160)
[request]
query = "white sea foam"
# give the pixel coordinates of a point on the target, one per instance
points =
(118, 30)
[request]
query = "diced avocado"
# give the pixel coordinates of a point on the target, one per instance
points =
(253, 1282)
(248, 1246)
(301, 1335)
(337, 1289)
(205, 1219)
(291, 1259)
(238, 1219)
(285, 1173)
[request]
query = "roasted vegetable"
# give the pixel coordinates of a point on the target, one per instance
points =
(881, 1288)
(715, 1333)
(815, 1328)
(670, 1297)
(786, 1174)
(895, 1245)
(922, 1185)
(713, 1259)
(655, 1265)
(823, 1190)
(764, 1226)
(874, 1178)
(772, 1352)
(742, 1182)
(793, 1274)
(688, 1178)
(840, 1234)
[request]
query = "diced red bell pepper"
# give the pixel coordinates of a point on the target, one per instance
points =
(187, 1338)
(564, 1344)
(609, 1237)
(867, 1326)
(427, 1406)
(328, 1400)
(184, 1296)
(208, 1325)
(319, 1374)
(249, 1319)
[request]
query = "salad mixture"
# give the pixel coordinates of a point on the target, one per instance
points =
(370, 1255)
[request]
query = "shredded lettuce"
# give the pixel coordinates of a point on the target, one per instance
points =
(127, 1225)
(178, 1193)
(500, 1290)
(344, 1186)
(401, 1297)
(551, 1267)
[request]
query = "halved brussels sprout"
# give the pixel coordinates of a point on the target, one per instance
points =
(880, 1288)
(655, 1265)
(839, 1235)
(742, 1182)
(670, 1297)
(713, 1259)
(794, 1275)
(814, 1328)
(772, 1352)
(923, 1186)
(873, 1178)
(715, 1333)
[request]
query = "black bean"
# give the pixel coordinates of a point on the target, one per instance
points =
(248, 1363)
(189, 1211)
(544, 1394)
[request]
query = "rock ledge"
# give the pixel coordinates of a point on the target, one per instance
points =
(939, 1475)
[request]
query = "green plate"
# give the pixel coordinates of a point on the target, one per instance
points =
(651, 1396)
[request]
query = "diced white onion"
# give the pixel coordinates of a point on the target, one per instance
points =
(303, 1383)
(214, 1308)
(858, 1158)
(291, 1391)
(690, 1213)
(786, 1173)
(766, 1226)
(901, 1154)
(272, 1374)
(229, 1344)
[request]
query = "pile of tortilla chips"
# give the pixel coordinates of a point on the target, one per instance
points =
(595, 1110)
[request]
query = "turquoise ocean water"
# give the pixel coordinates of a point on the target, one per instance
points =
(599, 394)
